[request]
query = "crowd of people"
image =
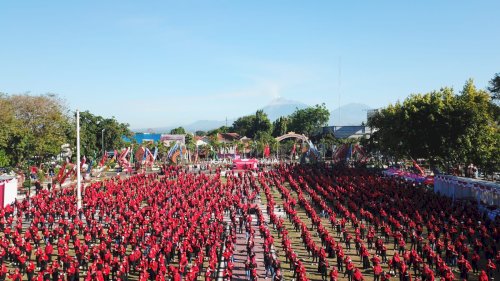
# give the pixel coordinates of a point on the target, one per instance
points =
(182, 226)
(432, 236)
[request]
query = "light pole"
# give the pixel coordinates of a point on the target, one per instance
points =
(102, 140)
(78, 179)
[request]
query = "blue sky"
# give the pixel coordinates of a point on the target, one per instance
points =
(162, 63)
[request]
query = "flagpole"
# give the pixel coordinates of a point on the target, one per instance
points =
(78, 178)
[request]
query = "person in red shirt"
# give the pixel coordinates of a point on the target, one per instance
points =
(483, 276)
(334, 274)
(490, 268)
(377, 271)
(15, 275)
(3, 271)
(357, 276)
(30, 270)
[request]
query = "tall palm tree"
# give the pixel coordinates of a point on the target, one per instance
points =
(241, 148)
(215, 143)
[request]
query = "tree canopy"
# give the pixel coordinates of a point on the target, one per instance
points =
(306, 121)
(446, 128)
(494, 87)
(92, 130)
(34, 127)
(178, 131)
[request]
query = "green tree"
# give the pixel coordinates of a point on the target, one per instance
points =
(9, 129)
(214, 143)
(190, 144)
(244, 126)
(114, 132)
(262, 139)
(42, 127)
(221, 129)
(445, 128)
(494, 87)
(240, 146)
(90, 134)
(200, 133)
(178, 131)
(280, 126)
(306, 121)
(261, 124)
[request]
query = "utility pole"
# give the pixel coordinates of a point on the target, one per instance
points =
(78, 177)
(102, 141)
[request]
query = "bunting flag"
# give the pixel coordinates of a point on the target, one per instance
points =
(122, 159)
(172, 150)
(104, 158)
(61, 172)
(180, 150)
(139, 154)
(90, 166)
(313, 149)
(418, 167)
(174, 156)
(155, 154)
(267, 151)
(84, 159)
(71, 171)
(349, 152)
(131, 155)
(148, 157)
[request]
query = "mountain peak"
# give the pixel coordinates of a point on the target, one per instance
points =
(283, 101)
(282, 107)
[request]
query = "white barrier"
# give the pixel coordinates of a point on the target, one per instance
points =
(457, 187)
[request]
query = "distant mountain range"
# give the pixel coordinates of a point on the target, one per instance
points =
(282, 107)
(350, 114)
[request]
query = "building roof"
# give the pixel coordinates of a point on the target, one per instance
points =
(228, 136)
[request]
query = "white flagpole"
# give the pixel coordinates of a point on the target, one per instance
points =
(78, 177)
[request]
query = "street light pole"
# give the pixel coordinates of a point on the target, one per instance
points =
(78, 179)
(102, 140)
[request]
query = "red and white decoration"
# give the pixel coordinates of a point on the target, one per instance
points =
(458, 187)
(8, 190)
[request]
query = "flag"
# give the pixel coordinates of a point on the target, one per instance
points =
(180, 150)
(61, 172)
(418, 167)
(155, 153)
(172, 150)
(104, 158)
(349, 153)
(267, 151)
(90, 166)
(139, 154)
(174, 156)
(294, 149)
(84, 159)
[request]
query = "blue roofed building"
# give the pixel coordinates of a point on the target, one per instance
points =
(144, 137)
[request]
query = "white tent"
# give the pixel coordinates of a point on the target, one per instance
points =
(8, 190)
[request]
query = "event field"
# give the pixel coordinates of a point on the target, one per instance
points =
(291, 222)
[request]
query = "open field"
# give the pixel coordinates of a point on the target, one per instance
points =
(147, 226)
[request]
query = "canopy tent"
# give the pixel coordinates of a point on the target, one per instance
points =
(408, 176)
(8, 190)
(245, 164)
